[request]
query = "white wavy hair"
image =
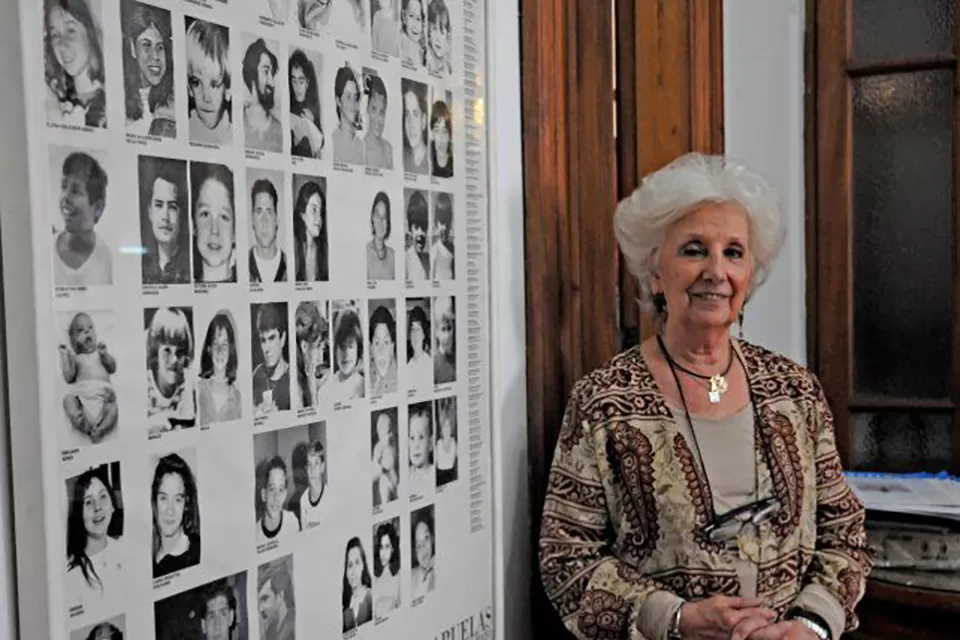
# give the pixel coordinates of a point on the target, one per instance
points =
(683, 186)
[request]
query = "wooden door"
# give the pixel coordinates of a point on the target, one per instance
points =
(611, 91)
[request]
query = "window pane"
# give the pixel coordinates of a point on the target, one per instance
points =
(903, 234)
(901, 442)
(901, 29)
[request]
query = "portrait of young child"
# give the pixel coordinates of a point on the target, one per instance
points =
(208, 82)
(81, 256)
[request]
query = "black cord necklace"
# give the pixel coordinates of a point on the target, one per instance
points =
(718, 381)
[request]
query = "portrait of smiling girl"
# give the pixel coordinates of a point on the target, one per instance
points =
(214, 223)
(73, 59)
(94, 531)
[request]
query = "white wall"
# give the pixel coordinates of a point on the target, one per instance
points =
(763, 93)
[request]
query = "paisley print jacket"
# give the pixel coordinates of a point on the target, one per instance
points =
(626, 501)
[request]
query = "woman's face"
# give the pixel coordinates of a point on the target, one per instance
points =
(354, 568)
(349, 103)
(413, 19)
(441, 137)
(220, 351)
(171, 500)
(214, 221)
(424, 542)
(70, 42)
(150, 51)
(382, 349)
(417, 337)
(312, 216)
(704, 267)
(347, 357)
(376, 114)
(445, 333)
(380, 221)
(97, 509)
(300, 84)
(439, 40)
(386, 550)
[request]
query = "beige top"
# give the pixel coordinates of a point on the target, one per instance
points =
(727, 447)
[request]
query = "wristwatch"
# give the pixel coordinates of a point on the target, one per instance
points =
(673, 631)
(811, 621)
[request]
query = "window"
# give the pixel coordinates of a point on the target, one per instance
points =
(883, 267)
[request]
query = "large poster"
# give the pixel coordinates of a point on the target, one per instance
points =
(260, 242)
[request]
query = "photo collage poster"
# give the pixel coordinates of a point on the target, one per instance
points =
(259, 232)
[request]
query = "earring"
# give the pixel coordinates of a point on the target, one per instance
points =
(740, 324)
(659, 302)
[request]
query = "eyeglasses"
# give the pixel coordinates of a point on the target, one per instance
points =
(728, 526)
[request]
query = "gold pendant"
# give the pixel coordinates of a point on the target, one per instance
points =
(718, 386)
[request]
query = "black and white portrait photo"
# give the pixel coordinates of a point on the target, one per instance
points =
(271, 358)
(419, 367)
(218, 395)
(314, 15)
(148, 93)
(88, 367)
(377, 147)
(441, 135)
(348, 145)
(112, 629)
(385, 27)
(262, 95)
(420, 473)
(382, 371)
(175, 502)
(416, 156)
(171, 383)
(309, 461)
(267, 260)
(74, 63)
(441, 247)
(445, 340)
(412, 36)
(164, 221)
(210, 104)
(311, 251)
(348, 381)
(277, 11)
(357, 597)
(290, 463)
(82, 257)
(305, 69)
(439, 41)
(214, 223)
(276, 602)
(385, 456)
(314, 365)
(416, 241)
(95, 544)
(386, 567)
(381, 257)
(213, 611)
(445, 413)
(423, 541)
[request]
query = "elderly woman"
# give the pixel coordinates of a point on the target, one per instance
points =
(696, 490)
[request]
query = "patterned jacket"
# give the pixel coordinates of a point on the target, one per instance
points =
(626, 501)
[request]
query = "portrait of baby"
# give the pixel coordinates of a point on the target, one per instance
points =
(87, 365)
